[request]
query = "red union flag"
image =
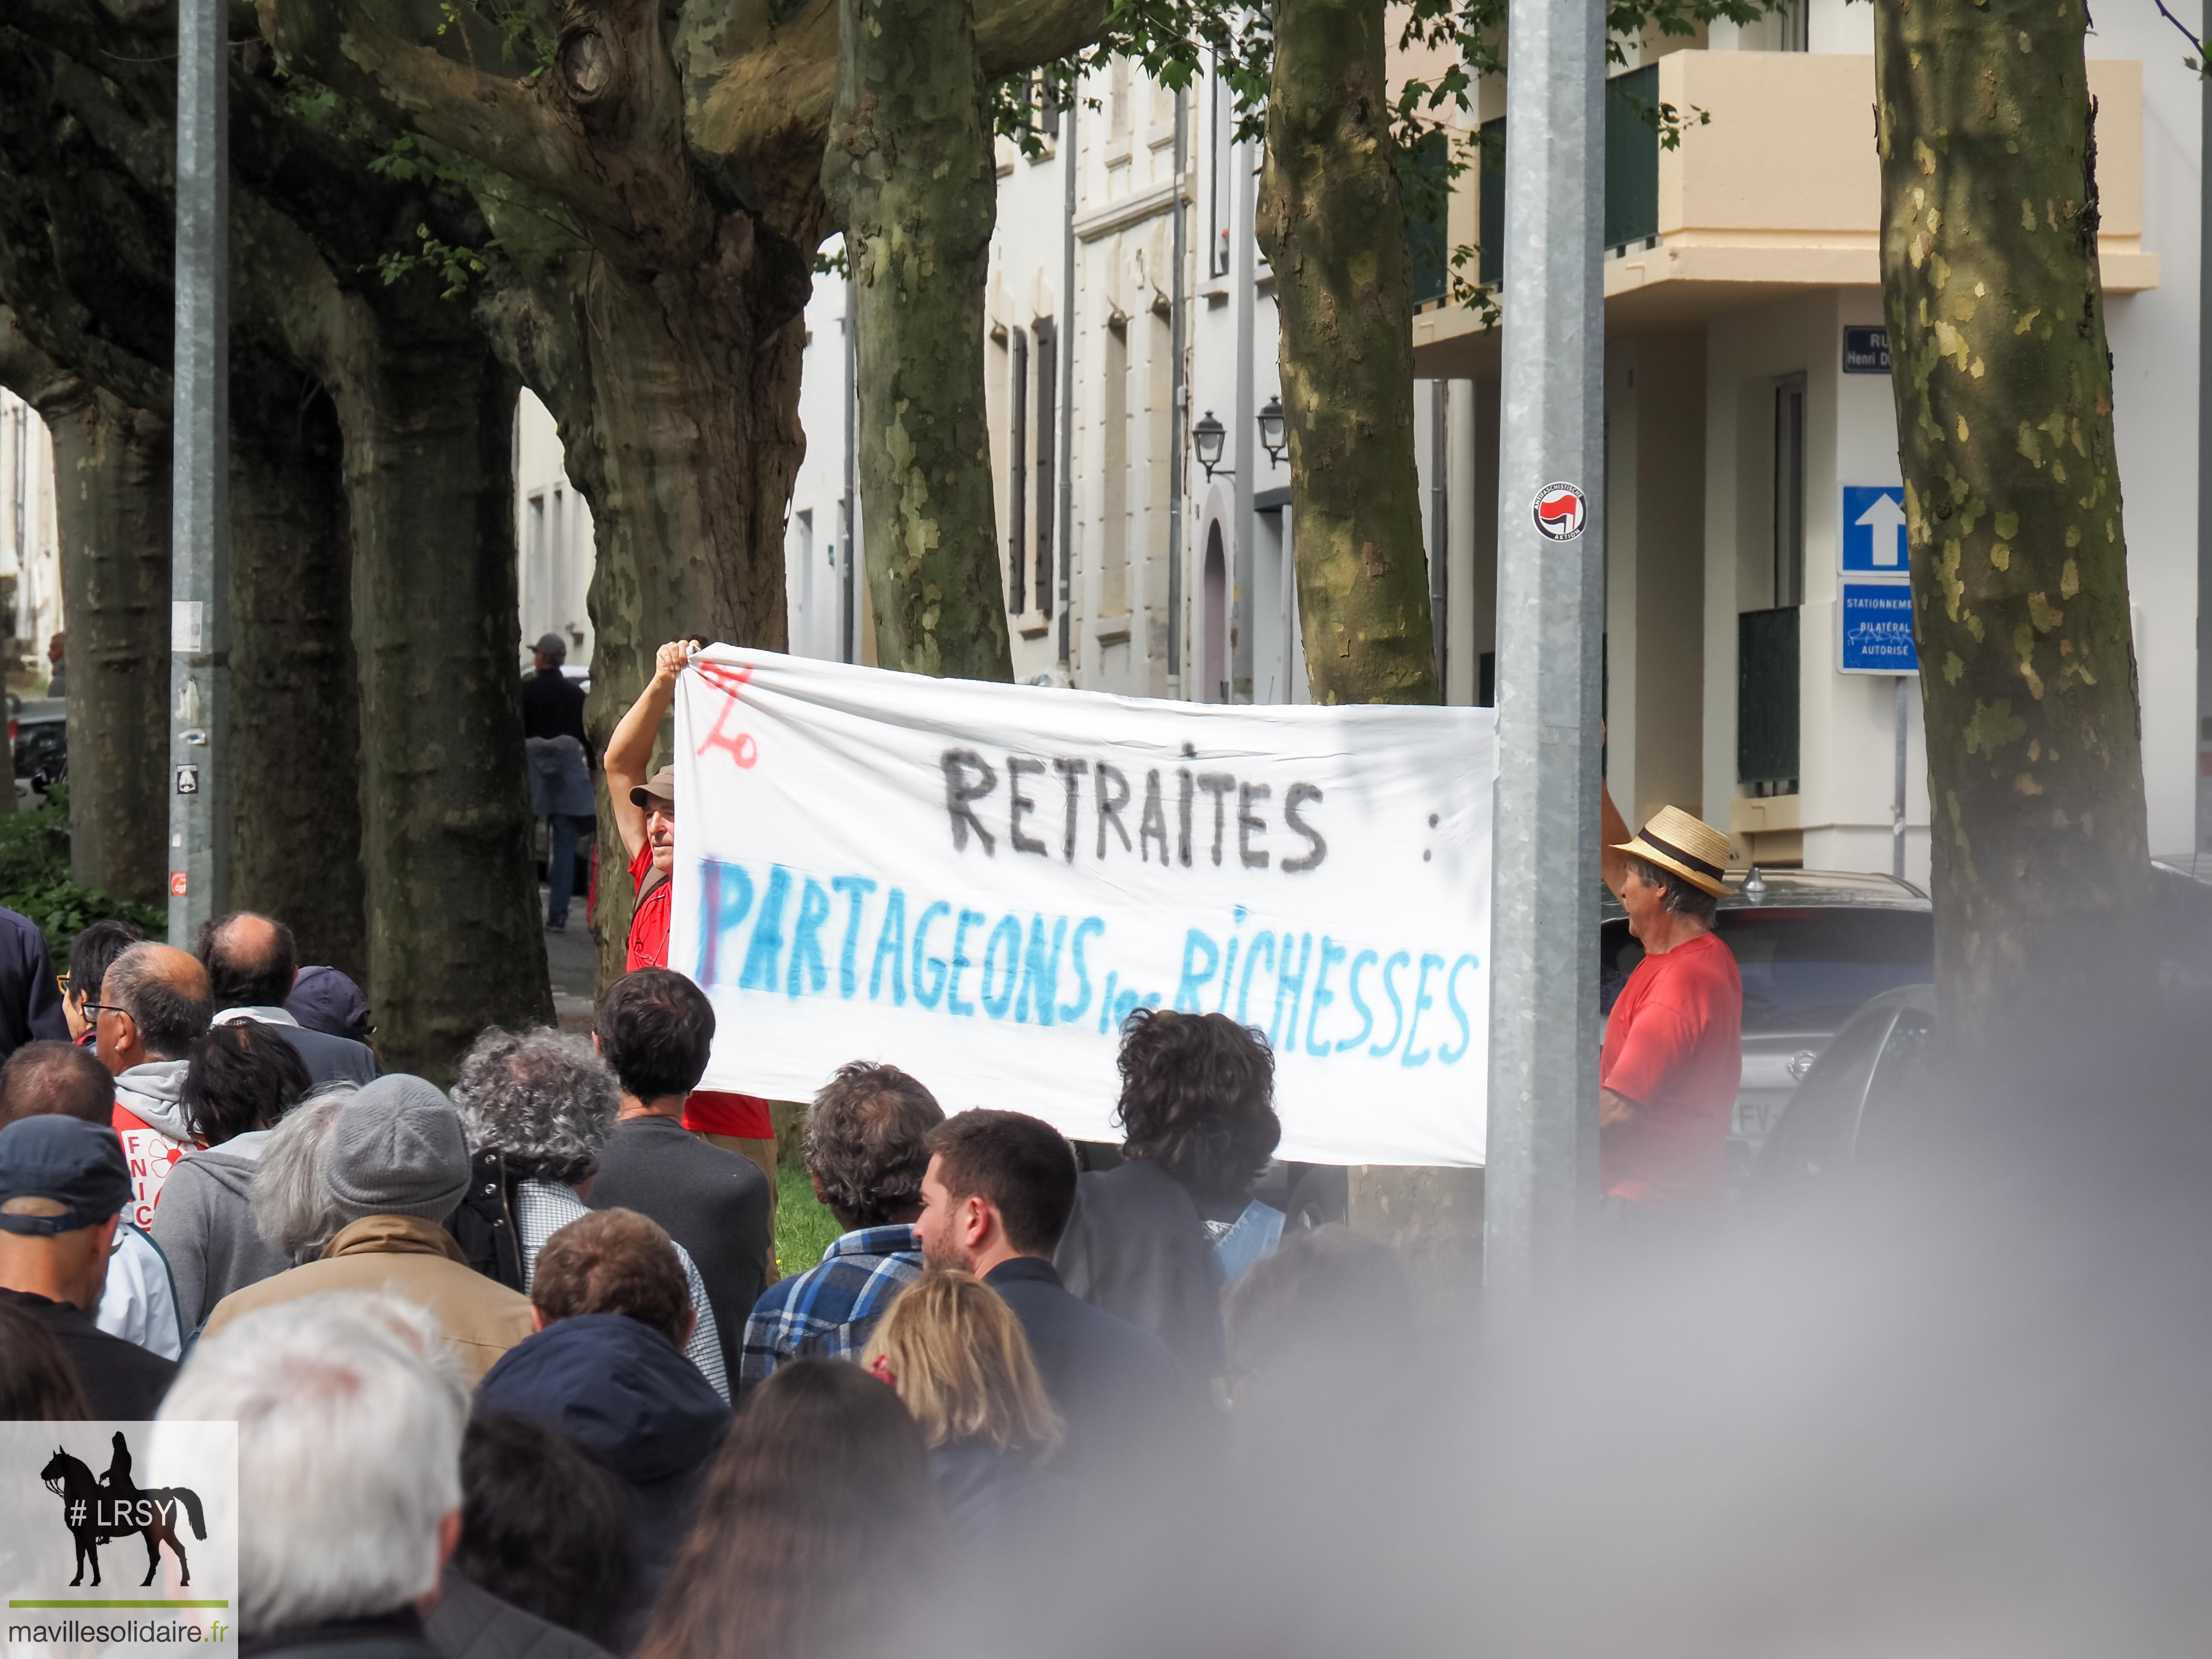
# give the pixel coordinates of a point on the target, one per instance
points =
(1560, 512)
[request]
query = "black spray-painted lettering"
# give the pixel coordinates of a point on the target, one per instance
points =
(1298, 796)
(1018, 805)
(1110, 803)
(1154, 823)
(1248, 796)
(1218, 784)
(1071, 774)
(960, 789)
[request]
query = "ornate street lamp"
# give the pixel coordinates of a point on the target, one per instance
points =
(1271, 431)
(1206, 437)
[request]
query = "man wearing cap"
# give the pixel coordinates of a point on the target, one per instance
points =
(396, 1165)
(644, 813)
(560, 770)
(1674, 1043)
(63, 1188)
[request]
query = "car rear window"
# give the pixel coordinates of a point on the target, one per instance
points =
(1804, 969)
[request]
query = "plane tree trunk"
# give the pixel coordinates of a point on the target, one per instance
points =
(295, 726)
(910, 168)
(2012, 491)
(1334, 227)
(454, 940)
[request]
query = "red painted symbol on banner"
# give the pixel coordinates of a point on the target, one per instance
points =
(177, 883)
(728, 681)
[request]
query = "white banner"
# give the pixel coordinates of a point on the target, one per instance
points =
(978, 883)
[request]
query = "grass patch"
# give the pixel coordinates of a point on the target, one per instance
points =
(804, 1226)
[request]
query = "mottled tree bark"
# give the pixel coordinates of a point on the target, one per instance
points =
(454, 940)
(295, 698)
(2012, 491)
(1335, 228)
(112, 508)
(910, 167)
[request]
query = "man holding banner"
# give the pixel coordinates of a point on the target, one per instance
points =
(645, 814)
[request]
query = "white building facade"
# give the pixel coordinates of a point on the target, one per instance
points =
(30, 542)
(1742, 404)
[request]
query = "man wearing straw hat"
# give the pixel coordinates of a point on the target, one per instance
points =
(1673, 1044)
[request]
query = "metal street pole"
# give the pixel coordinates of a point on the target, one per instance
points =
(199, 533)
(1541, 1190)
(1897, 804)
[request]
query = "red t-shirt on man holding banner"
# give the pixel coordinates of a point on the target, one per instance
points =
(646, 813)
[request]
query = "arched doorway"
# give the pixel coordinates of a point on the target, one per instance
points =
(1213, 621)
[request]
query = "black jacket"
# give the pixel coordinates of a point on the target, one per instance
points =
(30, 1000)
(714, 1203)
(1137, 1247)
(553, 706)
(1002, 1501)
(123, 1381)
(633, 1400)
(484, 1226)
(1127, 1403)
(329, 1058)
(469, 1622)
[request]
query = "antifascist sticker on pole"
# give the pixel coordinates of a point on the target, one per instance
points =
(1560, 512)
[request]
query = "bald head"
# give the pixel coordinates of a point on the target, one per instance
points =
(251, 960)
(155, 1007)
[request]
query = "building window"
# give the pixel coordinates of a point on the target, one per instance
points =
(1048, 410)
(1224, 210)
(1790, 491)
(1792, 27)
(1113, 527)
(1018, 475)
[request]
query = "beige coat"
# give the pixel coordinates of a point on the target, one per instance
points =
(416, 1260)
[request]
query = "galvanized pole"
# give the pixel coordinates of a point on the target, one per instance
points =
(1541, 1190)
(1067, 167)
(1177, 423)
(1897, 804)
(200, 533)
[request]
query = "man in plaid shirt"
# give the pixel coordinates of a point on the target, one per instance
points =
(867, 1146)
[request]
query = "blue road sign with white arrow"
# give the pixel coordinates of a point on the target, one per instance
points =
(1873, 529)
(1877, 629)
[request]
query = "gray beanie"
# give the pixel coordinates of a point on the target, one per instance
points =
(396, 1150)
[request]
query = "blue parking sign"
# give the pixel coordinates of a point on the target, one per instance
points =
(1877, 619)
(1873, 529)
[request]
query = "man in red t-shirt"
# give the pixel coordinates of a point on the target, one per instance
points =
(644, 813)
(1673, 1044)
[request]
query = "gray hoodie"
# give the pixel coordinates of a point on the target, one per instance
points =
(205, 1226)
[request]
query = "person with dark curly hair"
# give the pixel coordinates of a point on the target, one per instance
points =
(1198, 1119)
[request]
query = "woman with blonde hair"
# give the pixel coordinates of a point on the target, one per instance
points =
(956, 1357)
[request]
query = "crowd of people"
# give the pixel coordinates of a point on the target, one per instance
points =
(513, 1367)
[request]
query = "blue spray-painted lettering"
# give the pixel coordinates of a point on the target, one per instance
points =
(968, 919)
(808, 971)
(1089, 927)
(1421, 999)
(1323, 996)
(1008, 934)
(890, 946)
(725, 893)
(1281, 1032)
(1195, 977)
(1451, 997)
(1366, 1014)
(1252, 961)
(767, 944)
(1040, 973)
(855, 888)
(928, 998)
(1397, 1007)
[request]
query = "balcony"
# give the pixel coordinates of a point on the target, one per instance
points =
(1779, 192)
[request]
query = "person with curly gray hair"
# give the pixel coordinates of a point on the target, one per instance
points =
(537, 1107)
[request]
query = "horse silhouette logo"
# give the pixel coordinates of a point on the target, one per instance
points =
(99, 1510)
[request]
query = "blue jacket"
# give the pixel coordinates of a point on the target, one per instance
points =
(1001, 1500)
(627, 1395)
(30, 999)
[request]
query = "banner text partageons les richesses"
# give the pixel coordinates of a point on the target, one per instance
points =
(981, 883)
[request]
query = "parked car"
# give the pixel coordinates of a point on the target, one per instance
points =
(1868, 1087)
(1862, 1093)
(1812, 947)
(38, 734)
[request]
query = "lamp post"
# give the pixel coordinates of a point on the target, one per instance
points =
(1271, 431)
(199, 633)
(1206, 439)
